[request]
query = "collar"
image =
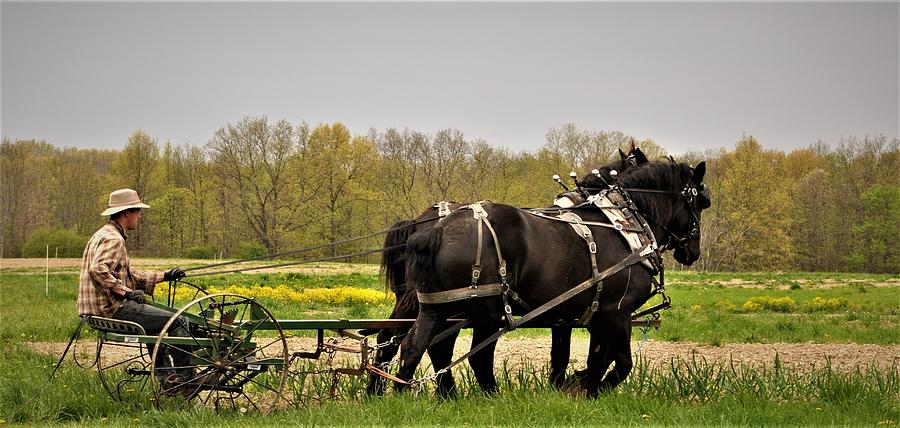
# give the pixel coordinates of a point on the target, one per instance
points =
(120, 229)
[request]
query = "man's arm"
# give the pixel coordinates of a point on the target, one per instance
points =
(146, 280)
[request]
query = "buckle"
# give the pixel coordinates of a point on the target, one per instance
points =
(595, 306)
(476, 272)
(508, 310)
(592, 247)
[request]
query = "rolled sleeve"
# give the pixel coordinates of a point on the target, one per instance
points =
(146, 280)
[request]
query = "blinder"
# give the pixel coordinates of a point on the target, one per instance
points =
(688, 194)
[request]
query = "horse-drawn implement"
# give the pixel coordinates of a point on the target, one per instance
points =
(241, 359)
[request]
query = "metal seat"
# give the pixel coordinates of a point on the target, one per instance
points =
(109, 325)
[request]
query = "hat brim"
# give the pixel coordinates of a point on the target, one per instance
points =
(113, 210)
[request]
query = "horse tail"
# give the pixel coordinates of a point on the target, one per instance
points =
(421, 250)
(393, 260)
(407, 304)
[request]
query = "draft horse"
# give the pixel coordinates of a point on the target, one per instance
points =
(541, 262)
(393, 268)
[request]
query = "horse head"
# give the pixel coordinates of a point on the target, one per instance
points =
(672, 197)
(687, 248)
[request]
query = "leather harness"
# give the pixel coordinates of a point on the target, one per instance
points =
(631, 221)
(623, 218)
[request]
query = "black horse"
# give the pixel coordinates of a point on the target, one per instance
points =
(393, 268)
(544, 260)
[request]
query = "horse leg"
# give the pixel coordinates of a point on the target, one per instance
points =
(482, 362)
(598, 360)
(413, 346)
(561, 340)
(620, 350)
(441, 355)
(383, 357)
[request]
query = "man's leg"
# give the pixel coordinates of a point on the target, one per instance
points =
(153, 319)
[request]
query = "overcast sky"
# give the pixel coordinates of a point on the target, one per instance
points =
(687, 75)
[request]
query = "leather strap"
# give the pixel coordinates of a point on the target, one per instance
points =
(585, 233)
(480, 218)
(457, 294)
(453, 329)
(588, 223)
(503, 288)
(633, 258)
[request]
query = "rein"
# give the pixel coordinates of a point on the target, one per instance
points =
(307, 249)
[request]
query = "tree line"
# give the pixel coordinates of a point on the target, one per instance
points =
(262, 187)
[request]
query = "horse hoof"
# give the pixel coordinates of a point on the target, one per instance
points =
(573, 387)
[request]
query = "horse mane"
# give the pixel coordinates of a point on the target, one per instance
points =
(666, 176)
(393, 260)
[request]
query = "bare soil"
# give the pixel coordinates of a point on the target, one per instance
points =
(843, 357)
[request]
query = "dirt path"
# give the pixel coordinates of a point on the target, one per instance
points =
(536, 351)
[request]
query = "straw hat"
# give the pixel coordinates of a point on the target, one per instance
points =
(123, 199)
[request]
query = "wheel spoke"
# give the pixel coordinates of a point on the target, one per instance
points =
(250, 400)
(255, 350)
(208, 328)
(120, 363)
(250, 379)
(246, 336)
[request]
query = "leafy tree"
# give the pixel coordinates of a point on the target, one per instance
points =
(342, 162)
(443, 158)
(400, 171)
(754, 209)
(809, 234)
(62, 243)
(252, 160)
(24, 201)
(877, 234)
(133, 169)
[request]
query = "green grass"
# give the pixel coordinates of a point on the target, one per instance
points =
(872, 315)
(688, 393)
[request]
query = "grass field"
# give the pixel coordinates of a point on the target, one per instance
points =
(714, 309)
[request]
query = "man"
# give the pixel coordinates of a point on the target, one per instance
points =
(110, 288)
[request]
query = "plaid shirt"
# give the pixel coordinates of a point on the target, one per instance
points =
(105, 271)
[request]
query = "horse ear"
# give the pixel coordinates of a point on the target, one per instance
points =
(699, 172)
(622, 154)
(639, 156)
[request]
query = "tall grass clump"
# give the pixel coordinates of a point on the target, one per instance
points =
(697, 380)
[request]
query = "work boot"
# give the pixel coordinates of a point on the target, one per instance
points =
(171, 385)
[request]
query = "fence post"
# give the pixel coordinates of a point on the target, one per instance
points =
(47, 274)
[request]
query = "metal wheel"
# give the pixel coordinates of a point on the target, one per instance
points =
(237, 357)
(123, 369)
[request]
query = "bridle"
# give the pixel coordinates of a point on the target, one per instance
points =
(688, 193)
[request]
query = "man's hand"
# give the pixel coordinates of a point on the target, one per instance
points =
(174, 274)
(137, 296)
